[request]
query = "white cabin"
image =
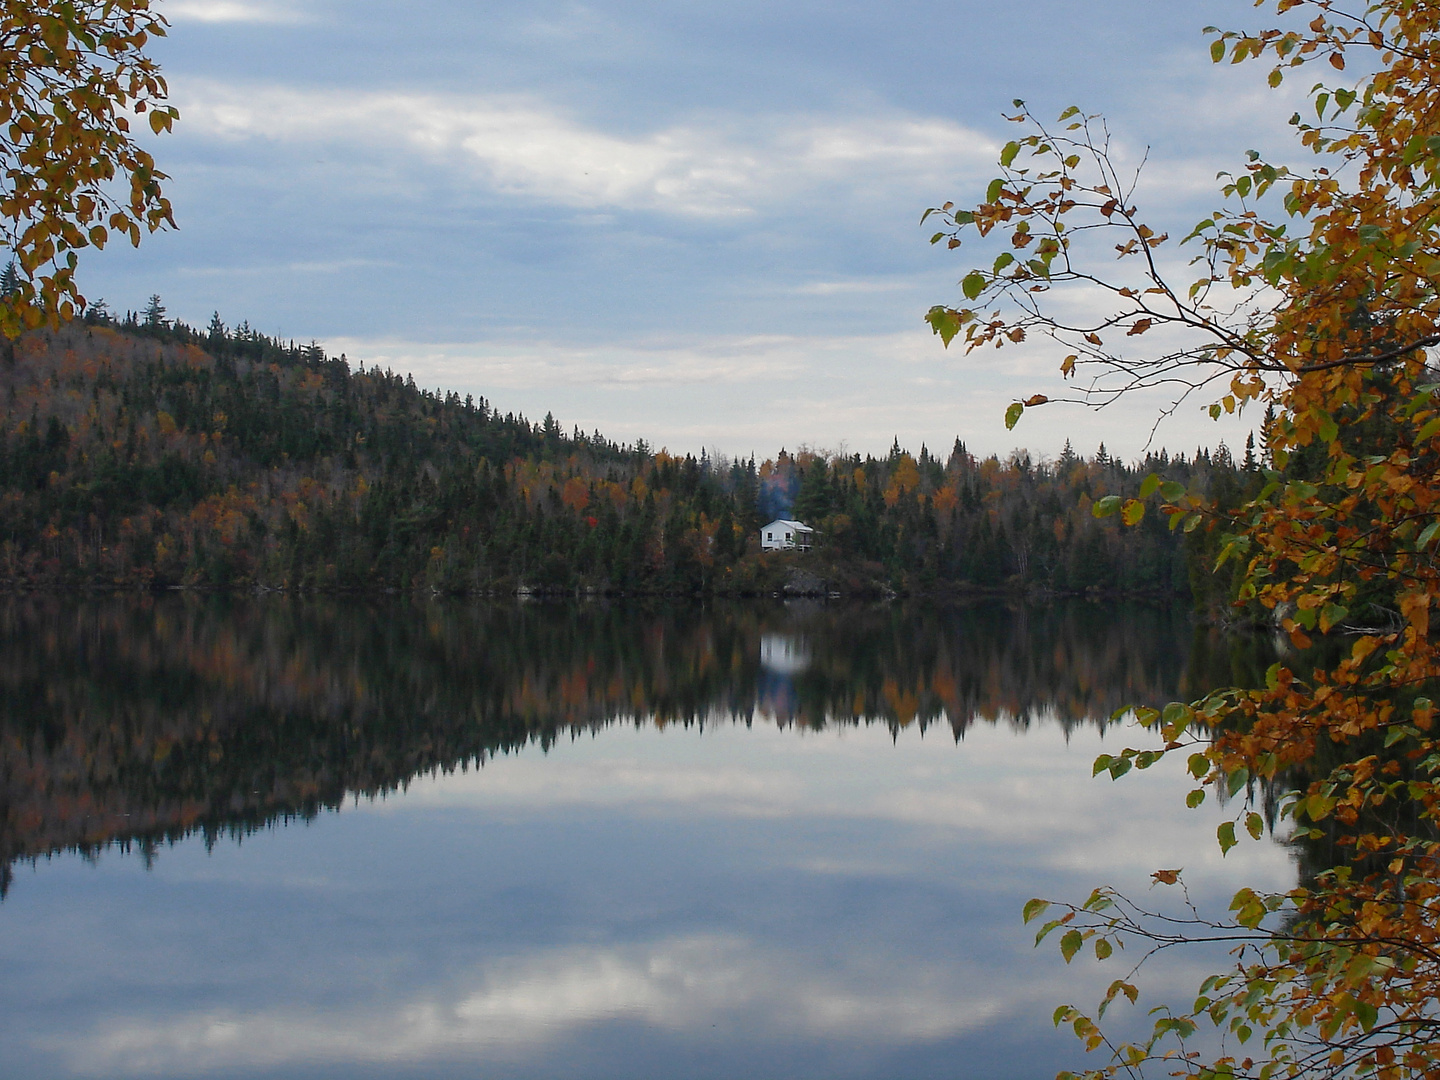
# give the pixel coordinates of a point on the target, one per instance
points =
(783, 534)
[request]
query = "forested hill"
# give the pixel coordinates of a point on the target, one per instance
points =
(143, 455)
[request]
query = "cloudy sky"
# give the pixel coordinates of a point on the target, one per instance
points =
(693, 223)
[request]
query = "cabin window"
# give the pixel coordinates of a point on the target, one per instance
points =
(788, 536)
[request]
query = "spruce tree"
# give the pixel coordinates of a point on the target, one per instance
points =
(155, 313)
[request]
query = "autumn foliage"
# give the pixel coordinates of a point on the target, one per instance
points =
(140, 455)
(1317, 295)
(73, 76)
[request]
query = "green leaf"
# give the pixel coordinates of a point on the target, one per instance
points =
(1195, 798)
(1098, 900)
(1034, 907)
(1254, 825)
(1217, 50)
(1178, 715)
(1070, 944)
(1428, 430)
(973, 284)
(1367, 1014)
(1012, 415)
(945, 322)
(993, 191)
(1044, 931)
(1172, 491)
(1318, 807)
(1237, 780)
(1332, 615)
(1226, 835)
(1251, 915)
(1002, 260)
(1428, 534)
(1149, 485)
(1132, 512)
(1103, 949)
(1107, 506)
(1007, 155)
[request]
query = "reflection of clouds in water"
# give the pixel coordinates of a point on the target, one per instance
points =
(684, 984)
(998, 787)
(608, 782)
(855, 887)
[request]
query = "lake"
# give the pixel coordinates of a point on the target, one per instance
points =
(270, 838)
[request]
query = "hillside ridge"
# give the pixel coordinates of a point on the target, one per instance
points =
(145, 456)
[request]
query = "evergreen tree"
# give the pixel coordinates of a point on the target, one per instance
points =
(155, 313)
(812, 502)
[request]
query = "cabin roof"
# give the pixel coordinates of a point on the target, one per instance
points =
(790, 523)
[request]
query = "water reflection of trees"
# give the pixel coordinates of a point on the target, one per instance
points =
(140, 722)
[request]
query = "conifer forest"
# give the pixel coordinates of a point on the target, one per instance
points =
(142, 453)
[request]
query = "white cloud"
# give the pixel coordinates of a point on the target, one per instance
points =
(860, 286)
(683, 984)
(1043, 798)
(230, 11)
(330, 266)
(522, 146)
(758, 392)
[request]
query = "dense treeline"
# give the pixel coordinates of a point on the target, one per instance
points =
(147, 719)
(148, 453)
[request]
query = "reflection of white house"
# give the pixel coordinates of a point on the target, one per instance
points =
(782, 534)
(783, 655)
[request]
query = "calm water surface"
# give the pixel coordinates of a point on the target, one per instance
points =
(266, 839)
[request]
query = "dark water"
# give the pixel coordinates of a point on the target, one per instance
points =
(351, 840)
